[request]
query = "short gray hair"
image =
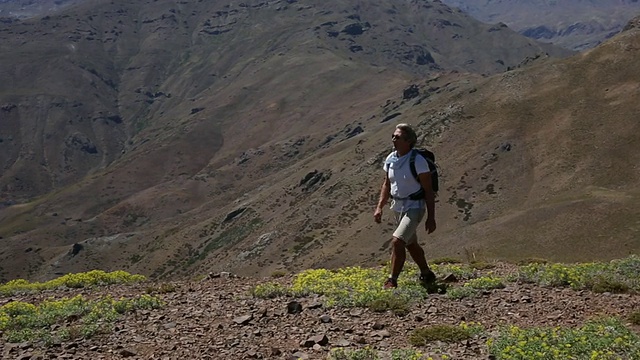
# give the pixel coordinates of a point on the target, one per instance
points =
(409, 133)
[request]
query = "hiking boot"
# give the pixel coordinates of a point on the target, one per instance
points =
(429, 282)
(390, 284)
(428, 278)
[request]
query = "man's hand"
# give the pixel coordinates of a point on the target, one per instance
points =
(377, 215)
(430, 225)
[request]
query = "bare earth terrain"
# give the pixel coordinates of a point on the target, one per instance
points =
(216, 318)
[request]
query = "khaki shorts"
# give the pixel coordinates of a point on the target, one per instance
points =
(408, 223)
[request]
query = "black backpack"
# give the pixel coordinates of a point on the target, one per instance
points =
(431, 161)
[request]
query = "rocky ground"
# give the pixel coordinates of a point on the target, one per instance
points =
(217, 318)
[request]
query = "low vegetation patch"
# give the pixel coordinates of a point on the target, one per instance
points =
(350, 287)
(485, 283)
(603, 284)
(529, 261)
(606, 339)
(634, 318)
(356, 286)
(598, 339)
(79, 280)
(270, 290)
(278, 273)
(444, 333)
(389, 302)
(163, 288)
(362, 287)
(73, 317)
(473, 287)
(368, 353)
(481, 265)
(615, 276)
(460, 271)
(461, 292)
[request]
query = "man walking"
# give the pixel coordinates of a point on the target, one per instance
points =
(410, 199)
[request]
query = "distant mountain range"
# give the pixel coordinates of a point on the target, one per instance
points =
(24, 9)
(573, 24)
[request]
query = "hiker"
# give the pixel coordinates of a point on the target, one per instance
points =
(400, 184)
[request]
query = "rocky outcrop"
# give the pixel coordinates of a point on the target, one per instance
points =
(633, 24)
(81, 142)
(314, 178)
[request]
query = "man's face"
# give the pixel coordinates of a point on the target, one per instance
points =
(399, 139)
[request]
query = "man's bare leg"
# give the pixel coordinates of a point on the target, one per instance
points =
(398, 257)
(417, 254)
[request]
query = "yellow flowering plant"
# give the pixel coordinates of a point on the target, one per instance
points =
(598, 339)
(79, 280)
(355, 286)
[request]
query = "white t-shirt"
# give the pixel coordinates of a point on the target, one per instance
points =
(402, 181)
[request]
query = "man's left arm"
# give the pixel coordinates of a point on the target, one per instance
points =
(429, 198)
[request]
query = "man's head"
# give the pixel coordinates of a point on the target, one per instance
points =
(404, 134)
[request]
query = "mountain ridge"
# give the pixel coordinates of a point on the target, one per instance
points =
(574, 24)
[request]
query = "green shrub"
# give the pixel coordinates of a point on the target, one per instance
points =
(269, 290)
(602, 285)
(634, 318)
(366, 353)
(485, 283)
(163, 288)
(406, 354)
(533, 260)
(481, 265)
(278, 273)
(462, 292)
(444, 333)
(398, 305)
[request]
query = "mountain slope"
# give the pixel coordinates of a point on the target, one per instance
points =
(252, 152)
(121, 68)
(136, 128)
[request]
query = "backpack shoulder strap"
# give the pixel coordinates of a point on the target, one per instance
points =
(412, 164)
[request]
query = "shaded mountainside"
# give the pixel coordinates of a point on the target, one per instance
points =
(573, 24)
(110, 71)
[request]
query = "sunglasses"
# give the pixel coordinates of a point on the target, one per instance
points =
(396, 137)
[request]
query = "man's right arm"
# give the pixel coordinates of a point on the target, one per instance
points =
(385, 192)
